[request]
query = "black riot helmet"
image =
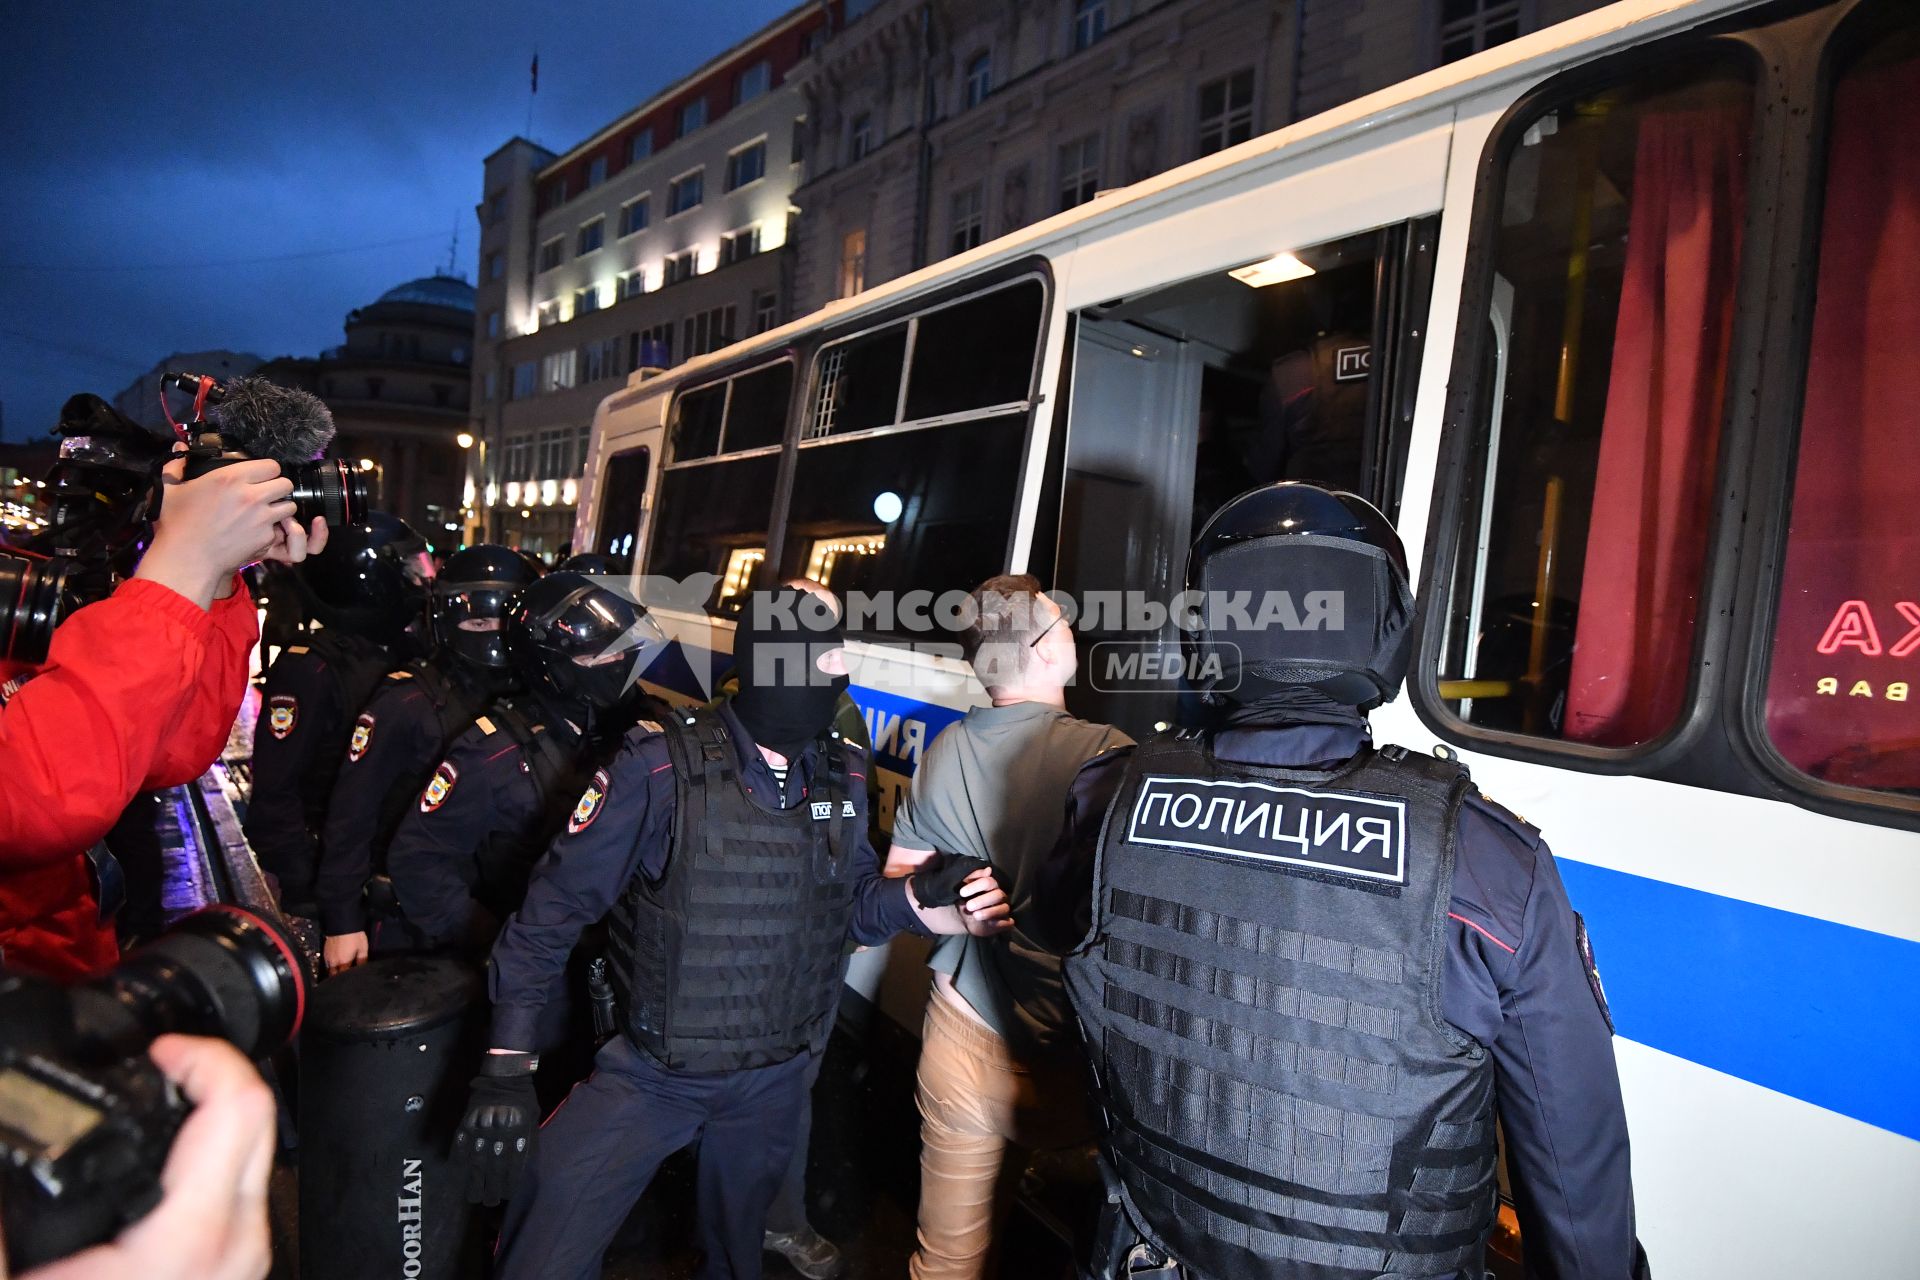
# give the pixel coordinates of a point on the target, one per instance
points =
(470, 608)
(589, 562)
(580, 645)
(371, 580)
(1300, 586)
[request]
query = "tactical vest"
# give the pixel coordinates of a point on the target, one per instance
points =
(734, 958)
(1325, 436)
(454, 706)
(560, 771)
(1260, 996)
(358, 666)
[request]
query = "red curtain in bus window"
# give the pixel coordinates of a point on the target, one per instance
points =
(1843, 696)
(1653, 486)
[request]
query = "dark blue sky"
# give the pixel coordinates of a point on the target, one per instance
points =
(141, 140)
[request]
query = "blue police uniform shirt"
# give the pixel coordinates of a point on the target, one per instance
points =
(623, 827)
(1514, 979)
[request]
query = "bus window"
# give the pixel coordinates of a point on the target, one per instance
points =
(858, 384)
(696, 423)
(1841, 696)
(757, 412)
(623, 486)
(975, 354)
(924, 509)
(1584, 516)
(710, 512)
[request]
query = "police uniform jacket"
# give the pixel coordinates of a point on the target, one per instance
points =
(622, 827)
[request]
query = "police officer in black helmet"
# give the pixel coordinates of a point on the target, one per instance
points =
(461, 857)
(1311, 972)
(398, 738)
(368, 592)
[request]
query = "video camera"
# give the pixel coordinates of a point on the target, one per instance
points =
(86, 1119)
(105, 491)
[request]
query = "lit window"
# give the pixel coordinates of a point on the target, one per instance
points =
(736, 246)
(979, 81)
(687, 192)
(634, 216)
(1226, 111)
(1079, 170)
(592, 236)
(753, 82)
(746, 165)
(853, 262)
(967, 218)
(859, 137)
(1089, 22)
(557, 370)
(548, 315)
(1468, 26)
(693, 116)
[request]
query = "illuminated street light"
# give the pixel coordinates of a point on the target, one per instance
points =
(464, 440)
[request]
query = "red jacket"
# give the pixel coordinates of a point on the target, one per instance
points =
(138, 692)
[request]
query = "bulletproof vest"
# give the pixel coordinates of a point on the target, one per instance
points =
(734, 958)
(357, 665)
(1260, 996)
(452, 706)
(560, 769)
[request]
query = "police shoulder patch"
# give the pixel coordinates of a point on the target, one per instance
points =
(439, 787)
(283, 713)
(485, 726)
(362, 735)
(591, 802)
(296, 648)
(1591, 967)
(402, 674)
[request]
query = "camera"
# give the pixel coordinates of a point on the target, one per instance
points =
(86, 1119)
(251, 418)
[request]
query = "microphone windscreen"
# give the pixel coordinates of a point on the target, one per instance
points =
(265, 420)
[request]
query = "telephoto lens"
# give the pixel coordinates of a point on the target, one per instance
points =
(32, 589)
(86, 1119)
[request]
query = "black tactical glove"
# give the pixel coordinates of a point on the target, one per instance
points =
(495, 1138)
(937, 882)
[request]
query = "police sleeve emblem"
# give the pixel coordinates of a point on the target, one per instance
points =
(283, 712)
(362, 735)
(439, 787)
(591, 801)
(1592, 967)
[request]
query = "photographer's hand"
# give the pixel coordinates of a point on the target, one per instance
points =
(345, 950)
(212, 525)
(292, 544)
(211, 1222)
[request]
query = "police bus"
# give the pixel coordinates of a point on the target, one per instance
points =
(1618, 323)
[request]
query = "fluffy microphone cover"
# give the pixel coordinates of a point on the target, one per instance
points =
(268, 421)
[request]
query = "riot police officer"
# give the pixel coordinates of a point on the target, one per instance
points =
(368, 591)
(461, 856)
(728, 849)
(1316, 970)
(402, 733)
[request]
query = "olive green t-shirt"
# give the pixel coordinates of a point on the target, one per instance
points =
(995, 785)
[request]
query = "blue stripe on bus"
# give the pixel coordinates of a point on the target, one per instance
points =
(901, 728)
(1816, 1010)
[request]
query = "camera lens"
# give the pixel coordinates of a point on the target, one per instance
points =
(328, 488)
(219, 972)
(31, 588)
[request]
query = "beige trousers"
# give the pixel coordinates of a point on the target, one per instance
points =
(976, 1101)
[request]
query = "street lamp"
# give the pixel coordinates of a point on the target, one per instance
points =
(464, 440)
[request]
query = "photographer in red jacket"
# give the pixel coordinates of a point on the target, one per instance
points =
(135, 691)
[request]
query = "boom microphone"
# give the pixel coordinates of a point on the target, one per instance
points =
(263, 420)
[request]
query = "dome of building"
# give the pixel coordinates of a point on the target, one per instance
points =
(433, 291)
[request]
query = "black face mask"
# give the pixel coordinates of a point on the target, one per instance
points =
(785, 700)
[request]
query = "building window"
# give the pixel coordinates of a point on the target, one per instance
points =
(489, 386)
(797, 149)
(1079, 170)
(650, 348)
(548, 315)
(766, 311)
(596, 171)
(979, 82)
(634, 215)
(586, 301)
(1468, 26)
(557, 370)
(693, 116)
(746, 165)
(600, 360)
(859, 137)
(640, 145)
(1089, 22)
(629, 284)
(496, 208)
(553, 195)
(1226, 111)
(526, 378)
(496, 265)
(967, 217)
(517, 461)
(552, 253)
(592, 236)
(853, 262)
(753, 82)
(493, 324)
(739, 245)
(708, 330)
(678, 267)
(686, 192)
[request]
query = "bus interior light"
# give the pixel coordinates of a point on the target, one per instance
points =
(1278, 269)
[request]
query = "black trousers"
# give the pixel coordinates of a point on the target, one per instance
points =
(599, 1150)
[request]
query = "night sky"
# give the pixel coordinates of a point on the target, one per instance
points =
(145, 147)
